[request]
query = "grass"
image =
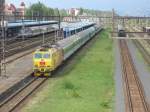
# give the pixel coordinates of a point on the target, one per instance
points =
(85, 85)
(139, 55)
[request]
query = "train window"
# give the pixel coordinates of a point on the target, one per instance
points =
(38, 55)
(46, 56)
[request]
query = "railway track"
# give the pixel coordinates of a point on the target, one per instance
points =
(22, 49)
(141, 48)
(134, 94)
(19, 39)
(148, 41)
(12, 103)
(26, 45)
(21, 43)
(143, 51)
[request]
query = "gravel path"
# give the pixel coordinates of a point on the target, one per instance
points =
(120, 107)
(16, 71)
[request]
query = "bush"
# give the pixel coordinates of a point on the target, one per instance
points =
(68, 85)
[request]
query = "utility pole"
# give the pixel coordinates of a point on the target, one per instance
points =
(32, 14)
(59, 21)
(23, 29)
(58, 33)
(43, 41)
(2, 5)
(113, 21)
(4, 35)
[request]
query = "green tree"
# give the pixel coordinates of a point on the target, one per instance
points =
(50, 12)
(56, 12)
(39, 9)
(81, 11)
(63, 12)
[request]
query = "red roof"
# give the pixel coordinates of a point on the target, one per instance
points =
(12, 7)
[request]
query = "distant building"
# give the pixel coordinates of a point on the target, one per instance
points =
(74, 11)
(21, 9)
(10, 9)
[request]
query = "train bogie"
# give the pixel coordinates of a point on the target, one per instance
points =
(39, 74)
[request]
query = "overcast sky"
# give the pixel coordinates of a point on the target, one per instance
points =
(123, 7)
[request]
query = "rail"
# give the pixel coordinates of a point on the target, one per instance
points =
(135, 100)
(17, 98)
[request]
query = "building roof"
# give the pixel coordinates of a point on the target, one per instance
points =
(10, 7)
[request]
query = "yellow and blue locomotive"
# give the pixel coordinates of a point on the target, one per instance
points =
(47, 59)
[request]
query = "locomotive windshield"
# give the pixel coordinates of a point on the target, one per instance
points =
(42, 55)
(46, 56)
(38, 55)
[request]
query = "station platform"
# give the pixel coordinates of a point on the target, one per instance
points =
(16, 70)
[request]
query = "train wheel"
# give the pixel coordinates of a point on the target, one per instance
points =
(37, 74)
(47, 74)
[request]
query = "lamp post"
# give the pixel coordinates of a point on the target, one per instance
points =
(58, 32)
(43, 37)
(23, 29)
(32, 13)
(59, 22)
(2, 2)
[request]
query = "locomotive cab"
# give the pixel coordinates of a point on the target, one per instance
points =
(121, 31)
(46, 60)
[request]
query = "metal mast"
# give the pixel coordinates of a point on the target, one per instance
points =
(2, 37)
(113, 22)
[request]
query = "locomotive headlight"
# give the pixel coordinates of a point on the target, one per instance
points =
(36, 66)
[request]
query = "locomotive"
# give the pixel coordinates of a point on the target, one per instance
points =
(121, 31)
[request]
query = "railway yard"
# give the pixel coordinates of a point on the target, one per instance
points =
(88, 64)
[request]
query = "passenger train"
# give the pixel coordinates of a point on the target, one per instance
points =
(35, 30)
(74, 28)
(15, 28)
(47, 58)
